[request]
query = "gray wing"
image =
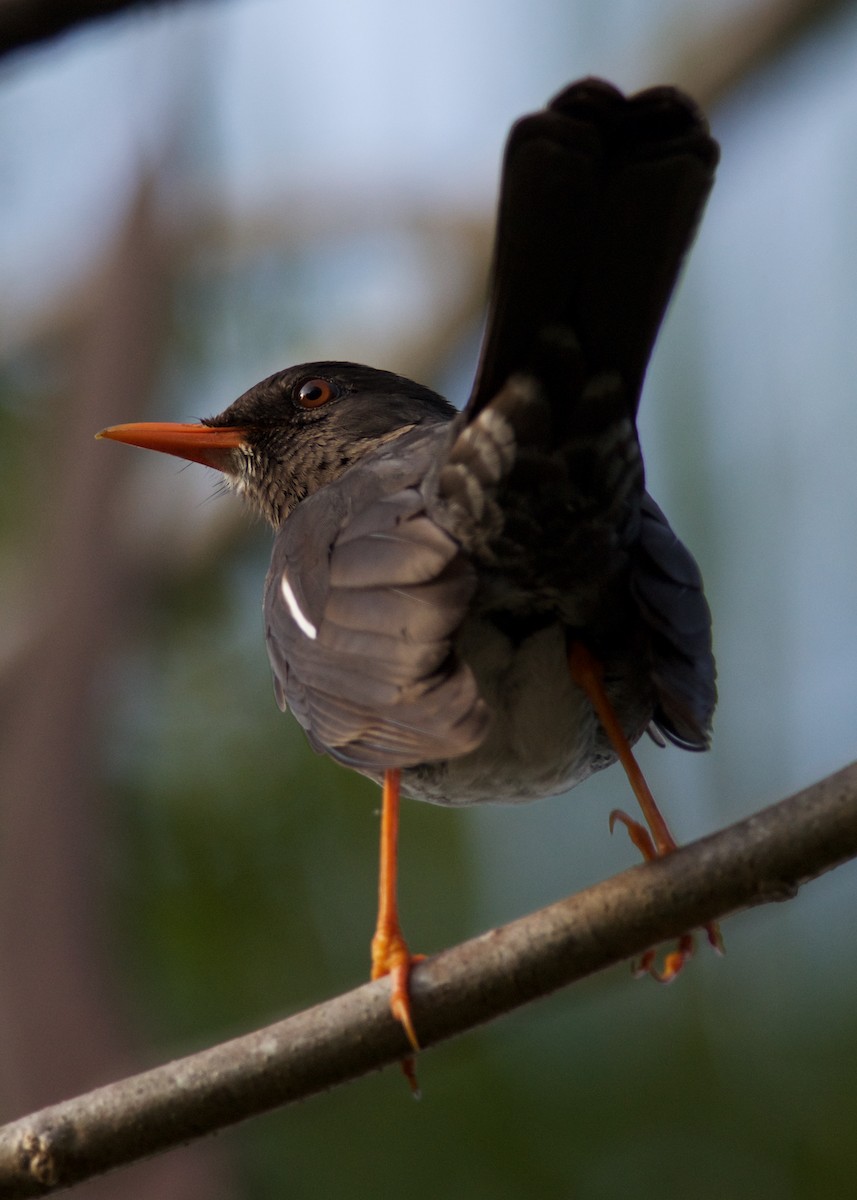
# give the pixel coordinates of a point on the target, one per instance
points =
(667, 586)
(362, 602)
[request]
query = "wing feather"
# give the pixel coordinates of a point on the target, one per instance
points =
(386, 589)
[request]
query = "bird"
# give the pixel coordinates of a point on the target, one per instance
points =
(486, 604)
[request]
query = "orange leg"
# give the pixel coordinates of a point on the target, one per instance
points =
(653, 842)
(390, 953)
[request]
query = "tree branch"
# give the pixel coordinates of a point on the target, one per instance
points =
(744, 43)
(764, 858)
(24, 22)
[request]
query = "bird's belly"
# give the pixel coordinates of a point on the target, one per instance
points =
(544, 737)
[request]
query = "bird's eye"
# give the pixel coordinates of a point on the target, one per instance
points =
(316, 392)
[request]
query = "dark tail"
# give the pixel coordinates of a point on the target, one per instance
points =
(600, 198)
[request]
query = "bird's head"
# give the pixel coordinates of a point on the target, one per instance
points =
(296, 430)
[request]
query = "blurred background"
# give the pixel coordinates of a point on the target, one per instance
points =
(195, 195)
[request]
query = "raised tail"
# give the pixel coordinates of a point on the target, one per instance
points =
(600, 198)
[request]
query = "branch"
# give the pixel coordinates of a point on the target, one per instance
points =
(743, 44)
(764, 858)
(24, 22)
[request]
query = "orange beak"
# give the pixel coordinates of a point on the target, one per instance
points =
(213, 447)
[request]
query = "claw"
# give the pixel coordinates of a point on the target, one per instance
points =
(390, 956)
(653, 842)
(674, 962)
(638, 833)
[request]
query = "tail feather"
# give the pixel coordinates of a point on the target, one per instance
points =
(600, 198)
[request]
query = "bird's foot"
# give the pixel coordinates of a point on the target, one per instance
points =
(391, 956)
(653, 839)
(676, 959)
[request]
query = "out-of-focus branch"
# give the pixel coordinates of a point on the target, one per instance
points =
(24, 22)
(710, 67)
(713, 64)
(764, 858)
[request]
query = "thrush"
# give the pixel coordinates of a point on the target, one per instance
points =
(487, 605)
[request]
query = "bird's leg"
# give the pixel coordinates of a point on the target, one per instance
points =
(652, 842)
(390, 953)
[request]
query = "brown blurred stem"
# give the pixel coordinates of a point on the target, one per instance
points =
(761, 859)
(23, 22)
(738, 46)
(743, 44)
